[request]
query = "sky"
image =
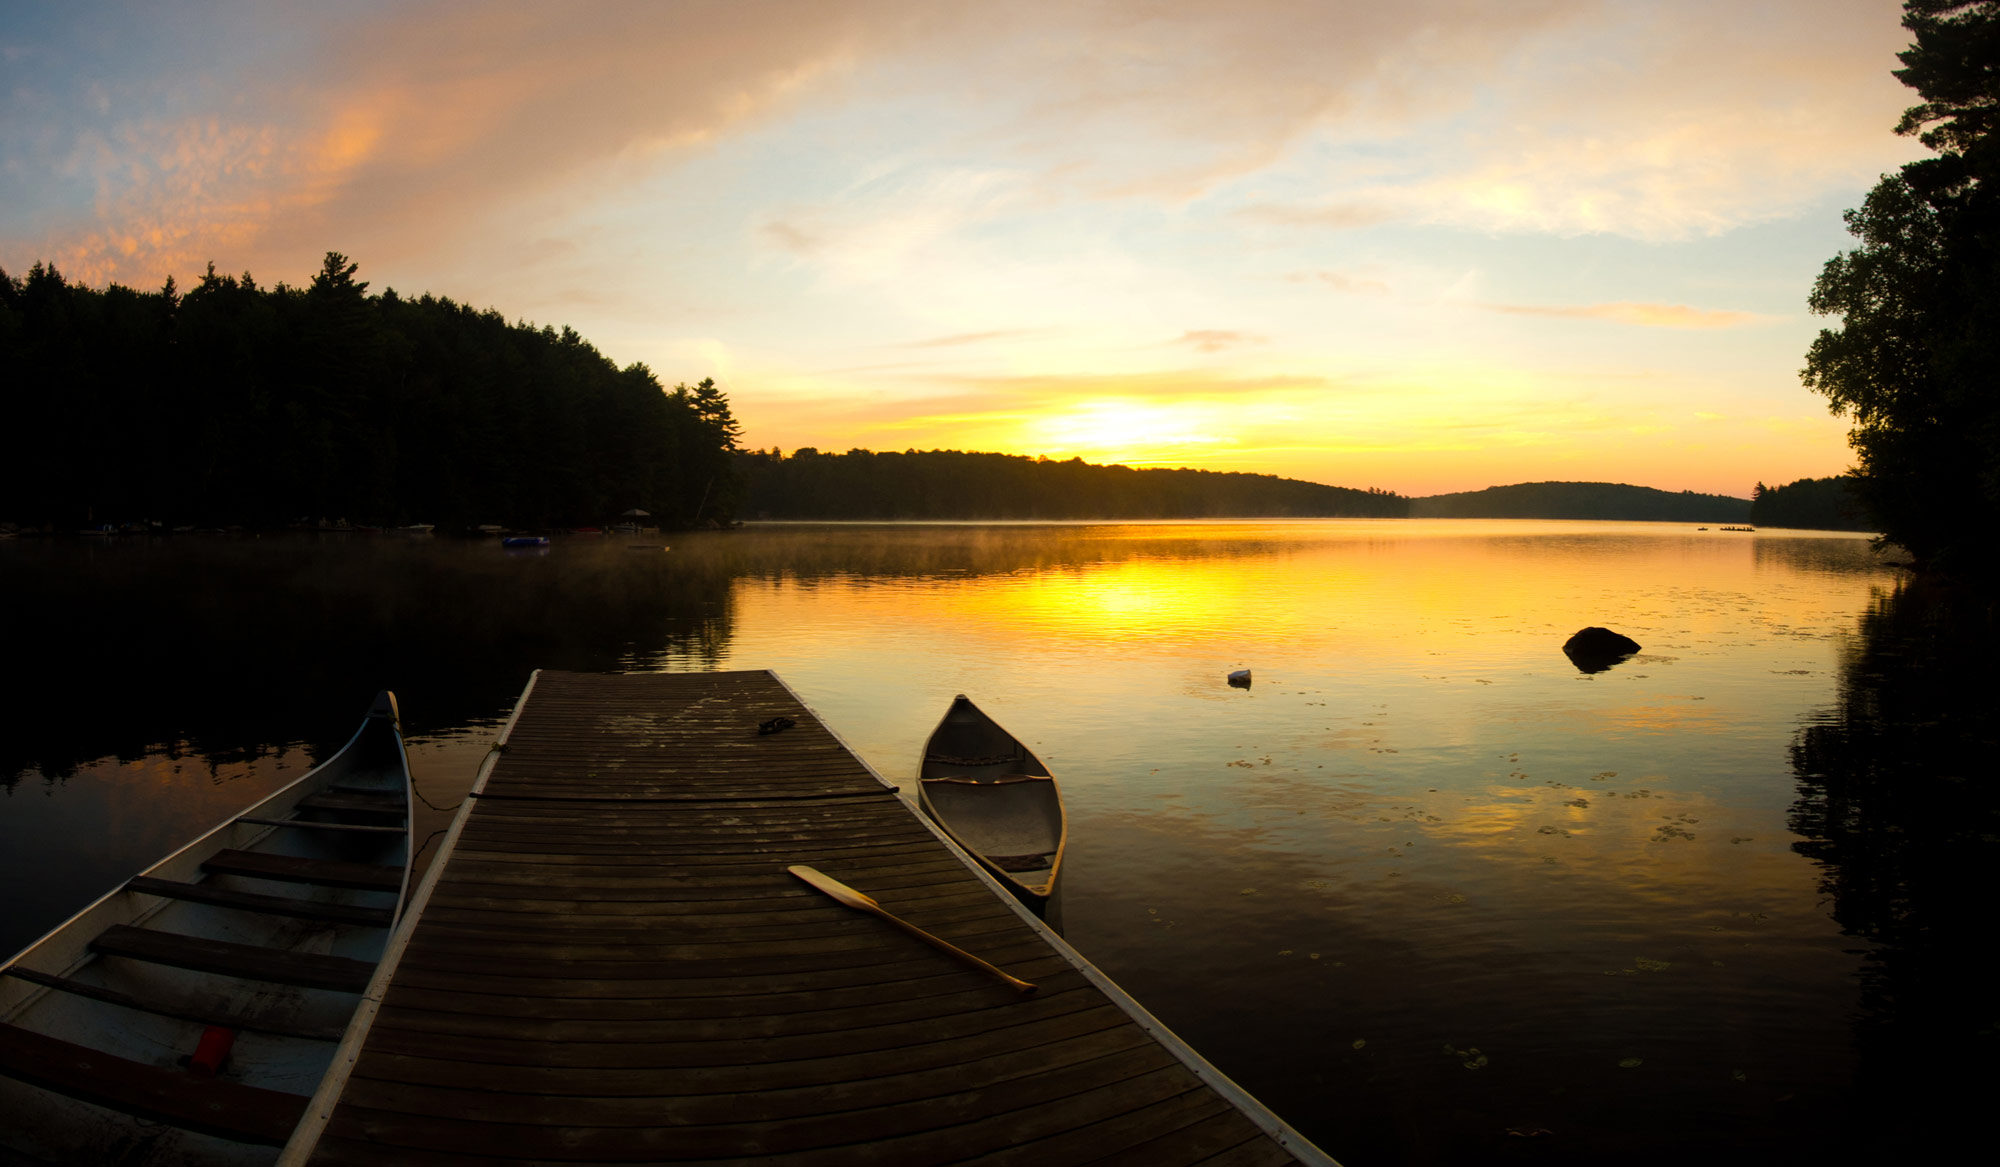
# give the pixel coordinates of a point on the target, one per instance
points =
(1425, 246)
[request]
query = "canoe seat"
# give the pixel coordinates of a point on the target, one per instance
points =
(179, 1010)
(293, 869)
(310, 970)
(1022, 862)
(210, 1106)
(221, 897)
(356, 802)
(994, 760)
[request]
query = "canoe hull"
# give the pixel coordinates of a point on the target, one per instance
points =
(135, 975)
(990, 793)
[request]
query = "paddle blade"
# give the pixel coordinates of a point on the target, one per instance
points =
(834, 888)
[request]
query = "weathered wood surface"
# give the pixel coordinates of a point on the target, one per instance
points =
(613, 965)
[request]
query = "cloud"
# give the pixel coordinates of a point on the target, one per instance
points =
(1214, 340)
(1344, 281)
(394, 131)
(405, 125)
(1333, 216)
(1645, 315)
(964, 338)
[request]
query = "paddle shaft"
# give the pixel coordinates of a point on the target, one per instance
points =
(947, 947)
(843, 894)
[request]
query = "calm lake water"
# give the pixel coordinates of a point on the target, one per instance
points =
(1423, 885)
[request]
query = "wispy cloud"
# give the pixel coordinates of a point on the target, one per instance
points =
(1332, 216)
(1645, 315)
(964, 338)
(1214, 340)
(1344, 281)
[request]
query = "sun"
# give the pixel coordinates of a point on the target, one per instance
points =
(1123, 429)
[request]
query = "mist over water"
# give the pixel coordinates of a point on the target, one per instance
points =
(1423, 884)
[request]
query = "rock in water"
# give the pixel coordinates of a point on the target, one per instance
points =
(1592, 650)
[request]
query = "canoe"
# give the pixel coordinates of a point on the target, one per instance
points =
(188, 1016)
(991, 794)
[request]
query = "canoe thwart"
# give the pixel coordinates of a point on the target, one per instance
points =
(292, 869)
(221, 897)
(311, 825)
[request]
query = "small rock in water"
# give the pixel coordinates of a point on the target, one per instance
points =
(1240, 679)
(1594, 649)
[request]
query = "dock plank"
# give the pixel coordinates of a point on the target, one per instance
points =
(611, 964)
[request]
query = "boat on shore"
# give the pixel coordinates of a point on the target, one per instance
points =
(516, 542)
(990, 793)
(188, 1016)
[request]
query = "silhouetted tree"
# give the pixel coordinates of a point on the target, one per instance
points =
(1916, 362)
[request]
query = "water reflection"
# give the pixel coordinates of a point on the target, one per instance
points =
(1897, 803)
(1421, 830)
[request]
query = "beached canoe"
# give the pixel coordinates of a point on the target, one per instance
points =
(188, 1016)
(995, 798)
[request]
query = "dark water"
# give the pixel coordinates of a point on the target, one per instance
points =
(1422, 885)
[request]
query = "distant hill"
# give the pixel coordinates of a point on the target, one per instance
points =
(1819, 504)
(1582, 500)
(954, 484)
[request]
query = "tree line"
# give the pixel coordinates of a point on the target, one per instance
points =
(237, 404)
(1582, 500)
(954, 484)
(1820, 504)
(1913, 361)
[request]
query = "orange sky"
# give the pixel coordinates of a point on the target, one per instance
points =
(1426, 246)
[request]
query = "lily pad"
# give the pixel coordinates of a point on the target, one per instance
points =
(1359, 1042)
(1629, 1063)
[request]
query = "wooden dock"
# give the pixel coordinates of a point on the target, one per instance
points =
(609, 963)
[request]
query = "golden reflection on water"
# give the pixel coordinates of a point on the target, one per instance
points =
(1480, 843)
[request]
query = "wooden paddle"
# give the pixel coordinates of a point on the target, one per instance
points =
(862, 903)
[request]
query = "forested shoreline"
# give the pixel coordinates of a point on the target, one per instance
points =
(1822, 504)
(236, 404)
(1582, 500)
(954, 484)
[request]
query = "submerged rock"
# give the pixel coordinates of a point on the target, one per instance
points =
(1592, 650)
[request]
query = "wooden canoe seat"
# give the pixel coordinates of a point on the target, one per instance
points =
(307, 969)
(180, 1010)
(210, 1106)
(222, 897)
(355, 801)
(292, 869)
(1022, 862)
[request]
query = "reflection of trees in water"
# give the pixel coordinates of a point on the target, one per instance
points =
(1898, 803)
(222, 648)
(810, 553)
(1827, 556)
